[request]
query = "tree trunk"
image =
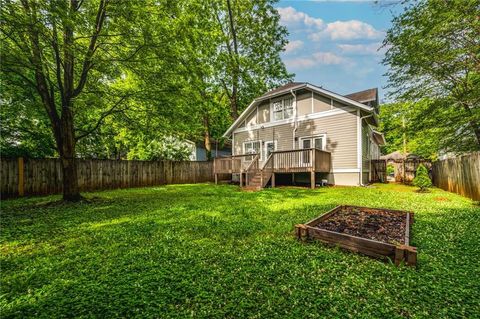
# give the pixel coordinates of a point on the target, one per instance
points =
(236, 65)
(66, 147)
(207, 142)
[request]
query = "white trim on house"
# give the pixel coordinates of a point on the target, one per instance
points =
(291, 120)
(345, 170)
(339, 97)
(359, 146)
(313, 88)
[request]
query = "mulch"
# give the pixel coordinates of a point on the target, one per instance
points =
(384, 226)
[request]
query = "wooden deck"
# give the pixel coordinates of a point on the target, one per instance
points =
(258, 174)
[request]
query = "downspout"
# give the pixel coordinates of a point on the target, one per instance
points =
(294, 118)
(361, 147)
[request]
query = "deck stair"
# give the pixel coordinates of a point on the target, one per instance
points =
(256, 181)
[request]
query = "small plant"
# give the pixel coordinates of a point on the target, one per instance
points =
(422, 180)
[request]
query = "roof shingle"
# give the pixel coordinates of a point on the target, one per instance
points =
(364, 96)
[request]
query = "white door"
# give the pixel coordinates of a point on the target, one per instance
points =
(317, 142)
(269, 148)
(306, 144)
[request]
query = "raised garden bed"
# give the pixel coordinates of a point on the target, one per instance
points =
(377, 232)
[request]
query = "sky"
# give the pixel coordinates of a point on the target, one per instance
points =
(336, 44)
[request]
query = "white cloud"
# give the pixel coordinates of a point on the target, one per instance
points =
(289, 16)
(337, 30)
(362, 49)
(328, 58)
(347, 30)
(293, 46)
(299, 63)
(317, 58)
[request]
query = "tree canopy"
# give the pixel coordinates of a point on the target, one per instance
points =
(433, 54)
(101, 78)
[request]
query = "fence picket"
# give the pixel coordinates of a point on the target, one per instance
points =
(44, 176)
(460, 175)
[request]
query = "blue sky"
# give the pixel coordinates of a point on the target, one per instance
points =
(335, 44)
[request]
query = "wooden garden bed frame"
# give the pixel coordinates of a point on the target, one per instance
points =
(397, 253)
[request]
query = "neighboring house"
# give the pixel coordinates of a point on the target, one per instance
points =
(305, 133)
(199, 152)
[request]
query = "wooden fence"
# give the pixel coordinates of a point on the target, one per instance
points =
(460, 175)
(44, 176)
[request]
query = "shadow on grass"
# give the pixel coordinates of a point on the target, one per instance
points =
(209, 251)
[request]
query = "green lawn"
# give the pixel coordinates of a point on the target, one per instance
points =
(215, 252)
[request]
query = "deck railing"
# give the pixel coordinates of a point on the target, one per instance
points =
(290, 161)
(230, 164)
(323, 160)
(303, 160)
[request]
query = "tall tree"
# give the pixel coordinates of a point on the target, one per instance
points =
(433, 54)
(74, 55)
(249, 55)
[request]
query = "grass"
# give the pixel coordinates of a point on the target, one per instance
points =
(216, 252)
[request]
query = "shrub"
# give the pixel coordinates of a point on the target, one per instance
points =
(422, 180)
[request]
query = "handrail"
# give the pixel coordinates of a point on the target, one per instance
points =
(255, 159)
(252, 168)
(266, 170)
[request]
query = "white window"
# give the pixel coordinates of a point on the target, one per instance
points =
(251, 147)
(282, 109)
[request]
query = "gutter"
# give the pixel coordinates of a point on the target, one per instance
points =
(361, 148)
(294, 118)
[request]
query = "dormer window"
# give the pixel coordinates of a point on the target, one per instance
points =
(282, 109)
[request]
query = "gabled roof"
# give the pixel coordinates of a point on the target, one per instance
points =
(293, 86)
(364, 96)
(282, 88)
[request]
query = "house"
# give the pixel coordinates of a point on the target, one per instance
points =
(199, 152)
(301, 133)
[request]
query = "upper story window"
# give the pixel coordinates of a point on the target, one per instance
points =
(282, 109)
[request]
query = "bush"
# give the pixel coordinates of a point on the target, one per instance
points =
(422, 180)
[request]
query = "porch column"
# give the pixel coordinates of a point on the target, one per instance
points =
(241, 179)
(273, 180)
(216, 178)
(312, 173)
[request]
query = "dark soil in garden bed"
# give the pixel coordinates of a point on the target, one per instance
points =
(384, 226)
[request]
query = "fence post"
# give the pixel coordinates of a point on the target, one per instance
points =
(21, 177)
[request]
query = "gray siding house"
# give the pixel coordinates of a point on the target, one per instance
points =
(306, 133)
